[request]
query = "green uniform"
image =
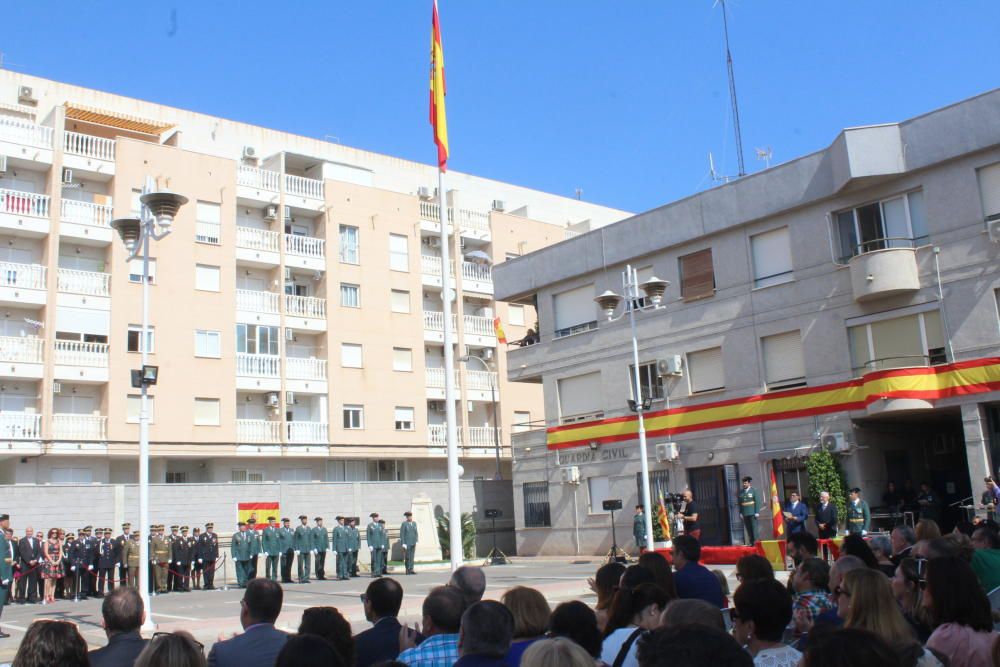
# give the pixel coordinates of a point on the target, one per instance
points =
(271, 543)
(408, 538)
(374, 535)
(256, 549)
(750, 507)
(159, 553)
(302, 544)
(242, 550)
(130, 554)
(285, 537)
(639, 530)
(859, 518)
(341, 544)
(321, 544)
(6, 570)
(354, 545)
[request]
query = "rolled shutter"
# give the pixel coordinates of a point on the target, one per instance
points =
(697, 275)
(705, 370)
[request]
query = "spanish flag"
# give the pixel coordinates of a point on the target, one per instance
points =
(438, 120)
(498, 330)
(777, 518)
(663, 518)
(258, 512)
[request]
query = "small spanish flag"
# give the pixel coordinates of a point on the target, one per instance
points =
(663, 518)
(498, 330)
(777, 519)
(438, 120)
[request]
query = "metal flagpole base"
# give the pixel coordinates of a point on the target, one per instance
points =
(616, 555)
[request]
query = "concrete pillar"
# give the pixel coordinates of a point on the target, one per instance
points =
(976, 443)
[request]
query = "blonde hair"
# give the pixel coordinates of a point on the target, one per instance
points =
(874, 608)
(557, 652)
(530, 610)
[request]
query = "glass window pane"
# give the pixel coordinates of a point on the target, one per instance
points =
(897, 232)
(918, 221)
(847, 234)
(870, 225)
(897, 343)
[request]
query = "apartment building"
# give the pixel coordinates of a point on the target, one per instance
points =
(847, 299)
(296, 307)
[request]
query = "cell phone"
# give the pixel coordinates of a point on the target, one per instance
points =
(727, 619)
(921, 570)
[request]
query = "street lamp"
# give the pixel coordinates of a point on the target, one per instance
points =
(493, 400)
(654, 288)
(156, 218)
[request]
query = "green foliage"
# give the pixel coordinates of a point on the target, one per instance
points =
(658, 534)
(825, 474)
(468, 536)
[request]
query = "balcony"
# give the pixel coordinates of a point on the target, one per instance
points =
(20, 426)
(25, 140)
(480, 380)
(255, 178)
(307, 188)
(434, 326)
(297, 368)
(477, 278)
(256, 301)
(85, 221)
(473, 224)
(79, 427)
(85, 152)
(309, 312)
(479, 330)
(437, 435)
(305, 252)
(307, 433)
(260, 372)
(436, 378)
(430, 270)
(482, 442)
(81, 361)
(258, 247)
(24, 213)
(258, 430)
(884, 272)
(21, 356)
(22, 284)
(89, 283)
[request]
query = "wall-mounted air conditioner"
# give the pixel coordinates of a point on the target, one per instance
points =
(424, 192)
(667, 451)
(498, 205)
(26, 95)
(835, 442)
(249, 153)
(271, 212)
(570, 475)
(992, 228)
(272, 399)
(671, 365)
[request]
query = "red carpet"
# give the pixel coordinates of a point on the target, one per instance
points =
(716, 555)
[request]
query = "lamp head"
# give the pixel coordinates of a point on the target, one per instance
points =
(655, 289)
(608, 301)
(164, 206)
(129, 229)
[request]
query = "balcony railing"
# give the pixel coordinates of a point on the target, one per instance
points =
(88, 145)
(299, 368)
(16, 202)
(480, 380)
(474, 220)
(85, 213)
(83, 282)
(79, 353)
(257, 301)
(79, 427)
(434, 321)
(22, 132)
(308, 432)
(479, 326)
(307, 246)
(436, 376)
(258, 365)
(437, 435)
(431, 211)
(305, 306)
(20, 426)
(478, 272)
(304, 187)
(254, 177)
(24, 349)
(256, 239)
(431, 265)
(483, 436)
(258, 430)
(30, 276)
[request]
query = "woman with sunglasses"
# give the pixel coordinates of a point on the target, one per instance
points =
(762, 609)
(960, 613)
(908, 591)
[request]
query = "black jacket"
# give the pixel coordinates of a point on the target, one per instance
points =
(27, 552)
(121, 651)
(827, 516)
(379, 643)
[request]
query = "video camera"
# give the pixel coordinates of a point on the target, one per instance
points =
(674, 500)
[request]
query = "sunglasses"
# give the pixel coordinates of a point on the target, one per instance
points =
(157, 635)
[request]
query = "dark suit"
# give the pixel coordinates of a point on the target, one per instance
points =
(121, 651)
(258, 646)
(28, 549)
(796, 524)
(826, 515)
(379, 643)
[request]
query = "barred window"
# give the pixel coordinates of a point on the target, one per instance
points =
(536, 505)
(659, 482)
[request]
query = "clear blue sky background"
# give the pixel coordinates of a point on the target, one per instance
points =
(621, 98)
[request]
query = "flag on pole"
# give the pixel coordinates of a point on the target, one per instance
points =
(438, 120)
(663, 518)
(498, 330)
(777, 519)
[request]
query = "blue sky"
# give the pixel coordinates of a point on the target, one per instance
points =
(623, 99)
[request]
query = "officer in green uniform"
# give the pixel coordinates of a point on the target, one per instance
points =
(408, 539)
(302, 544)
(639, 528)
(341, 540)
(256, 547)
(859, 517)
(321, 544)
(270, 540)
(354, 544)
(373, 536)
(242, 548)
(383, 553)
(159, 554)
(286, 536)
(6, 566)
(750, 511)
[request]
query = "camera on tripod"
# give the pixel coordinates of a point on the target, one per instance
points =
(674, 500)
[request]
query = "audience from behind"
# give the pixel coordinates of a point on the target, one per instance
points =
(556, 652)
(470, 582)
(330, 624)
(633, 612)
(761, 611)
(171, 649)
(926, 529)
(576, 621)
(260, 642)
(531, 618)
(855, 545)
(693, 580)
(720, 576)
(986, 559)
(122, 615)
(441, 619)
(801, 546)
(908, 591)
(810, 594)
(848, 648)
(635, 575)
(382, 600)
(962, 545)
(691, 646)
(960, 613)
(50, 643)
(882, 548)
(308, 650)
(663, 575)
(902, 538)
(753, 568)
(939, 547)
(692, 612)
(487, 629)
(604, 584)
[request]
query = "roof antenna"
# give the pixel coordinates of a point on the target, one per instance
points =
(578, 192)
(765, 154)
(718, 178)
(732, 92)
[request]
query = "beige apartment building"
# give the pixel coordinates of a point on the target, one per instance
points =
(296, 308)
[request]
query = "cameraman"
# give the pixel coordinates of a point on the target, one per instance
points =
(689, 513)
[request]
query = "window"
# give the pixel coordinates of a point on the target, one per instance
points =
(350, 355)
(642, 275)
(206, 412)
(705, 370)
(599, 490)
(659, 484)
(296, 474)
(521, 422)
(247, 476)
(404, 419)
(697, 275)
(346, 471)
(354, 417)
(207, 344)
(989, 190)
(135, 335)
(575, 311)
(72, 476)
(400, 301)
(399, 254)
(897, 222)
(177, 477)
(349, 245)
(208, 227)
(350, 295)
(135, 270)
(649, 381)
(256, 339)
(133, 405)
(580, 398)
(402, 359)
(515, 315)
(135, 204)
(771, 253)
(536, 505)
(206, 277)
(784, 366)
(898, 342)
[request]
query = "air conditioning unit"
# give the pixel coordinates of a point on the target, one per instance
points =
(57, 387)
(26, 95)
(249, 153)
(431, 241)
(498, 205)
(667, 451)
(672, 365)
(290, 398)
(272, 399)
(289, 334)
(570, 475)
(271, 213)
(992, 228)
(835, 442)
(288, 213)
(67, 176)
(424, 192)
(3, 164)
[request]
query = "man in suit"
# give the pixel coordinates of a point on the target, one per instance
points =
(340, 546)
(408, 539)
(639, 528)
(122, 616)
(120, 543)
(902, 538)
(260, 642)
(270, 542)
(795, 514)
(106, 561)
(241, 546)
(380, 643)
(29, 555)
(208, 552)
(287, 537)
(321, 544)
(302, 545)
(826, 517)
(6, 566)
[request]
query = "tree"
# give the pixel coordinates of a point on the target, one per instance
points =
(825, 474)
(468, 535)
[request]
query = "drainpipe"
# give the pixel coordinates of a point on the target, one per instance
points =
(944, 314)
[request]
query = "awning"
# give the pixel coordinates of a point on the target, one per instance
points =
(117, 120)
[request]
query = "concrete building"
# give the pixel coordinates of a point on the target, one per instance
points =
(296, 308)
(846, 299)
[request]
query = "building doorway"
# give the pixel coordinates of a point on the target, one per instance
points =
(714, 489)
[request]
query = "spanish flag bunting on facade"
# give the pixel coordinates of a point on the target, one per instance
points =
(498, 330)
(777, 519)
(438, 120)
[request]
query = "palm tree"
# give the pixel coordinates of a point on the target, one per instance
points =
(468, 535)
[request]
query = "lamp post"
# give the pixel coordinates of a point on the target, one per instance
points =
(493, 400)
(653, 288)
(153, 223)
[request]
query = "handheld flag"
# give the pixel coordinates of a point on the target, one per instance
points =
(498, 330)
(438, 120)
(663, 518)
(777, 519)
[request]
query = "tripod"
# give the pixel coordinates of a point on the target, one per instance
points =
(616, 554)
(495, 556)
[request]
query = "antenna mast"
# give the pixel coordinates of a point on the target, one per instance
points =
(732, 93)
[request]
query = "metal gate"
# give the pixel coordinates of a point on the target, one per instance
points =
(711, 493)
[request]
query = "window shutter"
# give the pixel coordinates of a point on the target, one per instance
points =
(575, 307)
(772, 257)
(705, 370)
(989, 190)
(402, 359)
(206, 412)
(83, 320)
(400, 301)
(783, 361)
(697, 275)
(580, 395)
(350, 355)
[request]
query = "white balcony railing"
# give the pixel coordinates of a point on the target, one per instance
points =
(474, 220)
(91, 283)
(258, 365)
(480, 380)
(79, 353)
(85, 213)
(482, 436)
(482, 273)
(30, 276)
(24, 349)
(432, 212)
(307, 246)
(303, 187)
(308, 432)
(258, 430)
(479, 326)
(88, 145)
(436, 376)
(79, 427)
(434, 321)
(20, 426)
(16, 202)
(257, 301)
(437, 435)
(256, 239)
(297, 368)
(431, 265)
(254, 177)
(305, 306)
(22, 132)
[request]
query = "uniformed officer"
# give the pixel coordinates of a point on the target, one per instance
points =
(341, 541)
(81, 561)
(130, 551)
(270, 540)
(159, 556)
(384, 551)
(6, 566)
(302, 545)
(639, 528)
(321, 544)
(183, 555)
(373, 537)
(120, 543)
(750, 506)
(197, 565)
(106, 561)
(242, 546)
(256, 548)
(354, 544)
(287, 537)
(408, 538)
(172, 536)
(859, 517)
(208, 553)
(69, 573)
